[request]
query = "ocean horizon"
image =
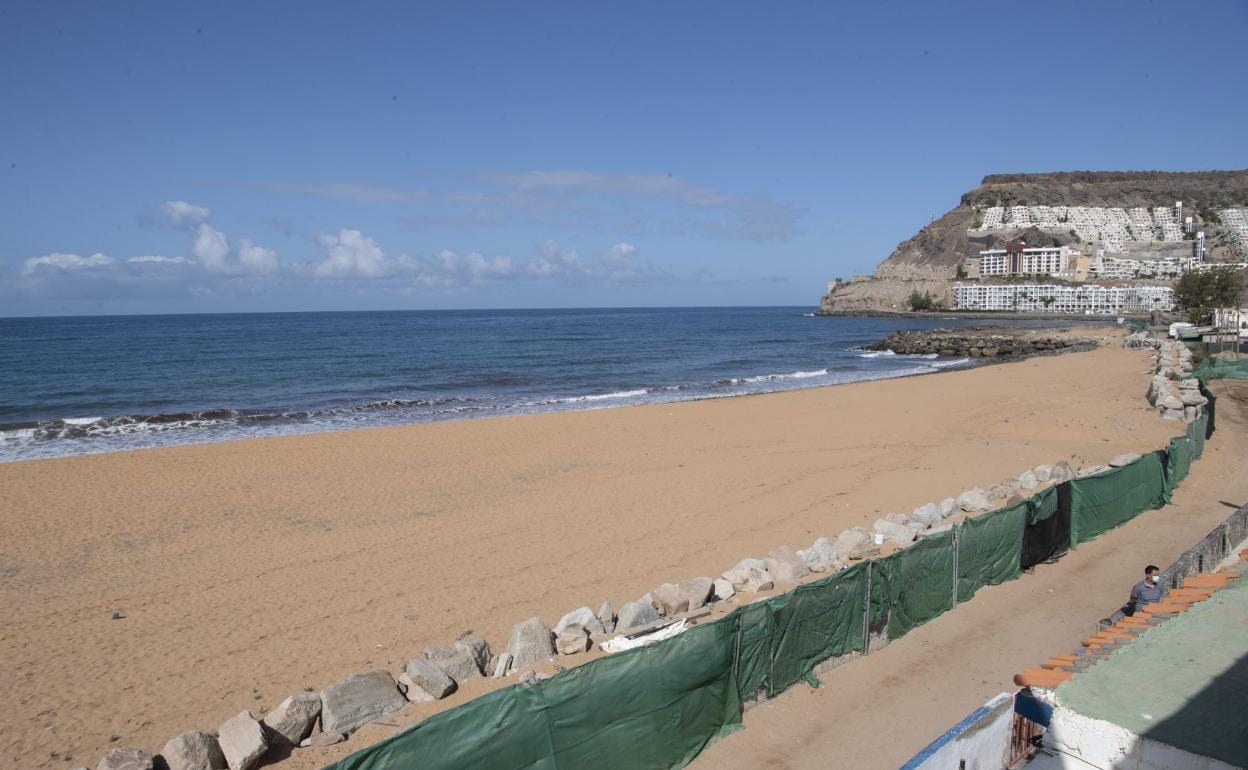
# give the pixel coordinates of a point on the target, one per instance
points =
(89, 384)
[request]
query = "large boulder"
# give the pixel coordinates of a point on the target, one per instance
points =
(1044, 473)
(674, 598)
(749, 576)
(1062, 472)
(531, 641)
(635, 615)
(458, 662)
(974, 501)
(1027, 480)
(784, 564)
(898, 533)
(572, 640)
(723, 590)
(820, 557)
(478, 649)
(583, 617)
(927, 515)
(193, 750)
(851, 539)
(1004, 489)
(948, 507)
(292, 720)
(359, 699)
(606, 617)
(126, 758)
(242, 741)
(1192, 398)
(429, 678)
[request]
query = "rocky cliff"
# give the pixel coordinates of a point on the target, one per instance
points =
(928, 261)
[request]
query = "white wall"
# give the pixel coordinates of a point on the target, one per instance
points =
(982, 745)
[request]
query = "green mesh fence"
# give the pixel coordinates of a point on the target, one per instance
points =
(989, 548)
(814, 622)
(754, 651)
(1218, 369)
(918, 581)
(1178, 463)
(1196, 430)
(1104, 501)
(655, 706)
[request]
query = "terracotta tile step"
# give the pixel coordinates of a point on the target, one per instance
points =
(1041, 677)
(1209, 580)
(1054, 664)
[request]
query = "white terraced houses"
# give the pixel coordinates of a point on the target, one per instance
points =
(1236, 221)
(1050, 298)
(1113, 227)
(1120, 269)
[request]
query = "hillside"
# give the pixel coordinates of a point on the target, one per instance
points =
(929, 260)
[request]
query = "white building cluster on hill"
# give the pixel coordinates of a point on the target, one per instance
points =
(1111, 226)
(1054, 298)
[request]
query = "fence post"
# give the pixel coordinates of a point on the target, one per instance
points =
(866, 618)
(957, 547)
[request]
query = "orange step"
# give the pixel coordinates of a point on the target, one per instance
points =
(1209, 580)
(1042, 677)
(1054, 664)
(1162, 608)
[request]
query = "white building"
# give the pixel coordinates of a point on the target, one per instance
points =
(1050, 298)
(1029, 260)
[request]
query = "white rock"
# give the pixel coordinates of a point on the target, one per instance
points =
(126, 758)
(1027, 480)
(674, 598)
(584, 617)
(193, 750)
(573, 640)
(784, 564)
(723, 589)
(242, 741)
(433, 680)
(635, 615)
(974, 500)
(747, 577)
(1123, 459)
(606, 616)
(820, 557)
(503, 665)
(413, 691)
(927, 515)
(459, 663)
(359, 699)
(531, 641)
(948, 507)
(293, 718)
(898, 533)
(1044, 473)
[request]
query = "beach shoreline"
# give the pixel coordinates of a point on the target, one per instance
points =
(248, 570)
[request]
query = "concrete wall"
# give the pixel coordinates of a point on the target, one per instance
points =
(978, 742)
(1076, 742)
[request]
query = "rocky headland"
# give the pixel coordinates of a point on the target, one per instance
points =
(928, 261)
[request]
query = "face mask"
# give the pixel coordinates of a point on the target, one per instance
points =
(1152, 579)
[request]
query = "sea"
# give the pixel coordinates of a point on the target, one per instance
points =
(79, 385)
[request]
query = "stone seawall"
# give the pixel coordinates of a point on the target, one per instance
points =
(980, 343)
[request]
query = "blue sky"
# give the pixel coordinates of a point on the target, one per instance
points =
(159, 157)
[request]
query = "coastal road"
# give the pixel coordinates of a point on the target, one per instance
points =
(878, 711)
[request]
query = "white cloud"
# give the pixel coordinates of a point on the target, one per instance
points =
(68, 262)
(160, 260)
(183, 214)
(351, 254)
(347, 191)
(211, 248)
(256, 259)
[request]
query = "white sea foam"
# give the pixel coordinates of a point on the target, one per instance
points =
(604, 396)
(81, 420)
(877, 354)
(789, 376)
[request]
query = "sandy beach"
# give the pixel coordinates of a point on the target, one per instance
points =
(249, 570)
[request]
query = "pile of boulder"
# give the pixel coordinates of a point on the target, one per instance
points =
(978, 343)
(1141, 340)
(1175, 395)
